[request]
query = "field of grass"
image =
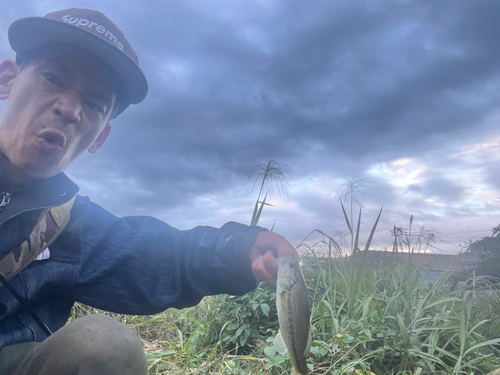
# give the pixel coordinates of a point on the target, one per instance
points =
(383, 320)
(365, 320)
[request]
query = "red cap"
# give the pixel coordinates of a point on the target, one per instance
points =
(88, 29)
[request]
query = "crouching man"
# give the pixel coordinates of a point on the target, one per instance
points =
(74, 72)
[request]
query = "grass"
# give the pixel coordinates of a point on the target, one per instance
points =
(392, 322)
(366, 319)
(397, 323)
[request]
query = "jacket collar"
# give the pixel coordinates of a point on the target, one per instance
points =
(45, 193)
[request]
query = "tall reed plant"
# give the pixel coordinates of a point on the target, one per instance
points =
(389, 319)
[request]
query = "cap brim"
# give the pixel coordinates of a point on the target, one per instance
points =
(29, 32)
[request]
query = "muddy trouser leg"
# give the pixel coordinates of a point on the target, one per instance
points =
(91, 345)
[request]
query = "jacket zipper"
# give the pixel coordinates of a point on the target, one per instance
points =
(5, 200)
(8, 195)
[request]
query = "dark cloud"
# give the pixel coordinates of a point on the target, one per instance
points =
(330, 88)
(353, 80)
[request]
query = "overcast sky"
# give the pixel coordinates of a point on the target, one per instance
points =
(403, 94)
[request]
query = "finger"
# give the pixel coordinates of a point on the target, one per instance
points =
(260, 272)
(271, 265)
(276, 243)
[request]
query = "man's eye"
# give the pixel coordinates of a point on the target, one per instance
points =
(52, 78)
(95, 107)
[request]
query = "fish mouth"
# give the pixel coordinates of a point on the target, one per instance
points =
(53, 137)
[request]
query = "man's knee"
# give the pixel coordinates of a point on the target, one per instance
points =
(98, 333)
(96, 344)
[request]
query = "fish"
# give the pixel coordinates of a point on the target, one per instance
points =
(294, 313)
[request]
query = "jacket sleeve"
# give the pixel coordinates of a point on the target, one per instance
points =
(141, 265)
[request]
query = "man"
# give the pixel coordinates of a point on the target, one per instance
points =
(74, 72)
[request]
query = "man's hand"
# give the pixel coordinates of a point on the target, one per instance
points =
(267, 247)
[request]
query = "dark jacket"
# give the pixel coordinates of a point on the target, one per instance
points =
(130, 265)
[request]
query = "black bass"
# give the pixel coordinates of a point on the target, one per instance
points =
(294, 313)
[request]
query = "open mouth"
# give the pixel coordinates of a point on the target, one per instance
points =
(51, 141)
(53, 138)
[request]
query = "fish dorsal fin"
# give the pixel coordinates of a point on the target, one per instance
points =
(279, 344)
(308, 345)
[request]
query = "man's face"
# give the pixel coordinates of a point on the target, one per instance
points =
(58, 106)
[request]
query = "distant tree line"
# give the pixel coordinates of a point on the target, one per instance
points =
(487, 250)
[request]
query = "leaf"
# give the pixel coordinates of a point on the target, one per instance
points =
(243, 341)
(161, 353)
(239, 330)
(403, 330)
(254, 214)
(256, 217)
(366, 306)
(480, 345)
(356, 238)
(265, 309)
(443, 300)
(368, 243)
(346, 218)
(270, 351)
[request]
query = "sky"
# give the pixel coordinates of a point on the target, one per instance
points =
(400, 97)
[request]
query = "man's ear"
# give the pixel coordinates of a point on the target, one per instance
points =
(8, 71)
(101, 138)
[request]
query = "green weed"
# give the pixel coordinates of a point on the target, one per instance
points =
(366, 319)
